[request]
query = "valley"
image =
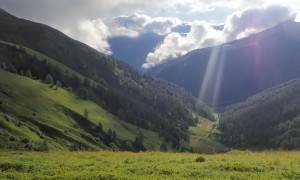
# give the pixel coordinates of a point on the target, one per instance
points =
(142, 97)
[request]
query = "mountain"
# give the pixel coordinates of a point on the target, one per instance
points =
(270, 119)
(43, 53)
(134, 50)
(233, 71)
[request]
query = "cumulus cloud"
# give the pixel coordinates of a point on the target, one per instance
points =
(94, 33)
(134, 25)
(242, 23)
(130, 26)
(202, 34)
(238, 25)
(297, 18)
(162, 25)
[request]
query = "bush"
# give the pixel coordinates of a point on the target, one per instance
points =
(200, 159)
(12, 138)
(25, 140)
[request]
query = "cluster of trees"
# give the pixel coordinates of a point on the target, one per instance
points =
(270, 119)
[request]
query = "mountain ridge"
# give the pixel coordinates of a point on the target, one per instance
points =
(257, 62)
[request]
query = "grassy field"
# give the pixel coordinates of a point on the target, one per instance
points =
(149, 165)
(200, 140)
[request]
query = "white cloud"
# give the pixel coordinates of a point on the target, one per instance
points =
(297, 18)
(130, 26)
(92, 32)
(134, 25)
(242, 23)
(201, 35)
(162, 25)
(238, 25)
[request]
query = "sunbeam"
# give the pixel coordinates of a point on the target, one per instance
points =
(212, 81)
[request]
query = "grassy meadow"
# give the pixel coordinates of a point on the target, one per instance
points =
(149, 165)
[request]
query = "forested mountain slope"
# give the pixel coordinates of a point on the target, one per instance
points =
(270, 119)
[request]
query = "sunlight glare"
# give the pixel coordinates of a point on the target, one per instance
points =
(213, 76)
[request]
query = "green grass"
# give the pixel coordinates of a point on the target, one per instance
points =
(201, 142)
(38, 103)
(149, 165)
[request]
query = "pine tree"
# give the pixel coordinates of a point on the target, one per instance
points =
(58, 84)
(100, 127)
(49, 80)
(138, 143)
(21, 72)
(121, 114)
(109, 133)
(114, 135)
(163, 147)
(3, 65)
(28, 73)
(85, 113)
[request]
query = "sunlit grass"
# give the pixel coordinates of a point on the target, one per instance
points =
(150, 165)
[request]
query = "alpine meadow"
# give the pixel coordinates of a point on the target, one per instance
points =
(149, 90)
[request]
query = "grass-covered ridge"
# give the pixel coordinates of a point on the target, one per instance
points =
(149, 165)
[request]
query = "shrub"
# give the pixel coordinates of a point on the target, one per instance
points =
(25, 140)
(200, 159)
(12, 138)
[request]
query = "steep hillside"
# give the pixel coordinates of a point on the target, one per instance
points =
(234, 71)
(270, 119)
(34, 115)
(136, 98)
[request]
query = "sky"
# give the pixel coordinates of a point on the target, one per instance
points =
(95, 21)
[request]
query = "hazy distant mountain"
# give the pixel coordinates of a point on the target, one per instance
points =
(234, 71)
(134, 50)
